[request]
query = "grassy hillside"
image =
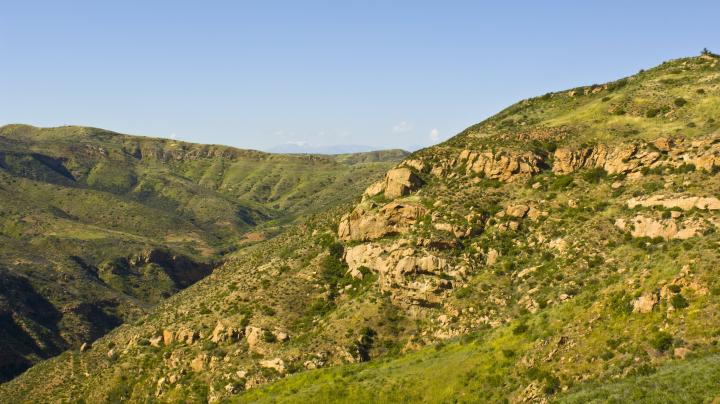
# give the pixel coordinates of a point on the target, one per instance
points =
(99, 226)
(563, 250)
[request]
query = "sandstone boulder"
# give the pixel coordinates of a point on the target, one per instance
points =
(198, 364)
(253, 335)
(418, 165)
(393, 218)
(491, 257)
(168, 337)
(400, 182)
(518, 211)
(187, 336)
(645, 303)
(643, 226)
(414, 277)
(277, 364)
(224, 333)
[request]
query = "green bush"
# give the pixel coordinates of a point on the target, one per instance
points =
(520, 329)
(268, 336)
(561, 182)
(679, 302)
(661, 341)
(679, 102)
(595, 175)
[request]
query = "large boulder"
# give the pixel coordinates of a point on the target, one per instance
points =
(413, 276)
(397, 182)
(645, 303)
(253, 336)
(393, 218)
(400, 182)
(186, 336)
(224, 333)
(276, 364)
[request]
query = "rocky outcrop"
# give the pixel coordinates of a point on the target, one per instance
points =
(613, 159)
(414, 276)
(364, 224)
(645, 303)
(644, 226)
(416, 164)
(503, 165)
(253, 336)
(397, 182)
(187, 336)
(277, 364)
(703, 153)
(680, 202)
(225, 333)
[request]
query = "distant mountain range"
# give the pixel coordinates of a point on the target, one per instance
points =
(308, 148)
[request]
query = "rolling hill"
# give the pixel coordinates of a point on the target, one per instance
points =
(96, 227)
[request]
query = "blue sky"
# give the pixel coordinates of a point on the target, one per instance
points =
(256, 74)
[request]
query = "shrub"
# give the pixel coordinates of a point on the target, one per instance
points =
(595, 175)
(679, 302)
(662, 341)
(685, 168)
(361, 348)
(561, 182)
(267, 310)
(607, 355)
(520, 329)
(679, 102)
(268, 336)
(463, 293)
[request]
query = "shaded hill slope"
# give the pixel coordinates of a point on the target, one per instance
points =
(99, 226)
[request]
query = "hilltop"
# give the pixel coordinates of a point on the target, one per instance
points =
(562, 250)
(96, 227)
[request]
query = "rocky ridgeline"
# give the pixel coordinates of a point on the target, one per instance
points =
(382, 232)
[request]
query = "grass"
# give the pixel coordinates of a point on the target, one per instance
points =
(688, 381)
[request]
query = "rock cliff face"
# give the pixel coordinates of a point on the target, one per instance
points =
(504, 165)
(413, 275)
(398, 182)
(622, 159)
(365, 224)
(417, 270)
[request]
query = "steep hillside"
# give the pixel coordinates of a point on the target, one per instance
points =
(96, 227)
(564, 249)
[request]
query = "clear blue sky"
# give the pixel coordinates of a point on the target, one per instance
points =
(261, 73)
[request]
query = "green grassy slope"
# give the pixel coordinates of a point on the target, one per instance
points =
(472, 301)
(104, 225)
